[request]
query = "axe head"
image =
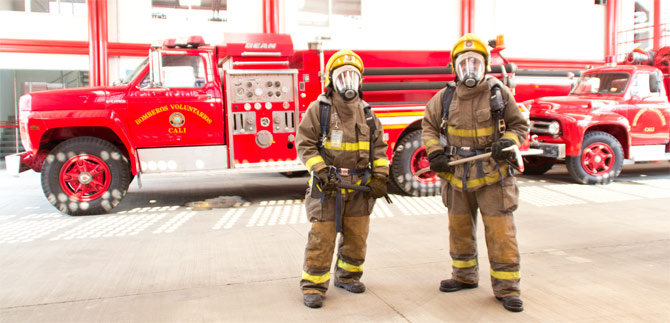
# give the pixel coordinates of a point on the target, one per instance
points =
(517, 161)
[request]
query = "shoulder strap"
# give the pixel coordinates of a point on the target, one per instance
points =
(370, 120)
(497, 102)
(446, 103)
(324, 122)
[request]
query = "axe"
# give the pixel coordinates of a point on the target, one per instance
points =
(517, 156)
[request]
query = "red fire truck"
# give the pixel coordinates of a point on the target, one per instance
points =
(234, 107)
(613, 114)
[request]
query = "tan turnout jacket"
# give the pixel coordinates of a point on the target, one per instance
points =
(471, 125)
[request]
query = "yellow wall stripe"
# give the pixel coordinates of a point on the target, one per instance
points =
(464, 263)
(316, 279)
(509, 275)
(383, 162)
(313, 161)
(349, 146)
(348, 267)
(470, 132)
(395, 126)
(400, 114)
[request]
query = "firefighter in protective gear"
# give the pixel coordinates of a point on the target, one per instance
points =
(472, 126)
(340, 140)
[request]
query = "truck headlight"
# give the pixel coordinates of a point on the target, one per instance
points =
(554, 128)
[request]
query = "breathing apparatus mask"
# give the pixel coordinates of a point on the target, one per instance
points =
(470, 68)
(347, 81)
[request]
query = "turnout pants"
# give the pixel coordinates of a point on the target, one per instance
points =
(496, 202)
(321, 242)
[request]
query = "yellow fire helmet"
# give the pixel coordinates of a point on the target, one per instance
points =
(342, 57)
(468, 43)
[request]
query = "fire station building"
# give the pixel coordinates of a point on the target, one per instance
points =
(53, 44)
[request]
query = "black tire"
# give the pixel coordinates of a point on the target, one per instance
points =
(402, 174)
(534, 165)
(85, 175)
(600, 160)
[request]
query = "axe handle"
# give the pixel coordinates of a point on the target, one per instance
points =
(469, 159)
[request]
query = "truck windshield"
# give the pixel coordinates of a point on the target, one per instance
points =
(137, 70)
(601, 83)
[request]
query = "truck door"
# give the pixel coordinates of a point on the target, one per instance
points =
(184, 111)
(649, 112)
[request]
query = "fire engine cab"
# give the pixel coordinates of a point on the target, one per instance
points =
(233, 107)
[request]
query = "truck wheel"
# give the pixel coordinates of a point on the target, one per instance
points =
(534, 165)
(85, 175)
(409, 157)
(600, 160)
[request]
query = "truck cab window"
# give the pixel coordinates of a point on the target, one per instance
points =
(602, 83)
(641, 86)
(183, 71)
(136, 71)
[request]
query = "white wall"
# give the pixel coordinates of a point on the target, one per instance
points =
(544, 29)
(131, 22)
(388, 24)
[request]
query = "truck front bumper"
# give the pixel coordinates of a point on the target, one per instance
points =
(16, 163)
(556, 151)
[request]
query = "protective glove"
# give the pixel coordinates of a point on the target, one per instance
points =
(497, 149)
(439, 162)
(326, 182)
(378, 186)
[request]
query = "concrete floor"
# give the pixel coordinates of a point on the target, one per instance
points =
(588, 254)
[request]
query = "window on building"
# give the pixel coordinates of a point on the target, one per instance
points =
(319, 12)
(14, 84)
(213, 10)
(63, 7)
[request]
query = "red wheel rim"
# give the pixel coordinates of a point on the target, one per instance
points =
(598, 159)
(420, 161)
(85, 177)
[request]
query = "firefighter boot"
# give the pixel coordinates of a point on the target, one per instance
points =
(353, 287)
(511, 303)
(314, 300)
(450, 285)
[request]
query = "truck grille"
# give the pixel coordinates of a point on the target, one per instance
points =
(540, 127)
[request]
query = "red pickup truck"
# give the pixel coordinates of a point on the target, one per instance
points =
(614, 114)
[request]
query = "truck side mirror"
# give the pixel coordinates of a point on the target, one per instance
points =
(155, 71)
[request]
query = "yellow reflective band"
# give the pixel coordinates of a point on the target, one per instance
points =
(313, 161)
(348, 267)
(464, 263)
(382, 162)
(486, 180)
(471, 133)
(316, 279)
(512, 136)
(509, 275)
(349, 146)
(432, 142)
